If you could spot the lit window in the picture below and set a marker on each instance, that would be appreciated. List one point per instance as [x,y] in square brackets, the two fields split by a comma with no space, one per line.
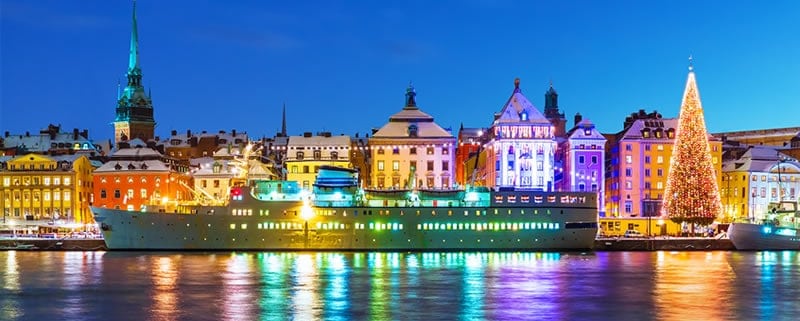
[380,165]
[628,159]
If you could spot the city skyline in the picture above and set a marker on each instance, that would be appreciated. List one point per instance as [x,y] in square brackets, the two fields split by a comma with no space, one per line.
[233,66]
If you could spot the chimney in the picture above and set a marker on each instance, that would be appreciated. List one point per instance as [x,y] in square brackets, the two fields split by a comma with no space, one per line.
[307,134]
[188,133]
[578,118]
[27,134]
[85,133]
[233,132]
[75,134]
[7,133]
[174,132]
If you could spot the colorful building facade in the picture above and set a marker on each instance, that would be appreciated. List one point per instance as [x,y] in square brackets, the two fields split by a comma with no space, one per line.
[760,177]
[39,187]
[470,143]
[638,164]
[412,151]
[583,159]
[138,178]
[305,154]
[520,146]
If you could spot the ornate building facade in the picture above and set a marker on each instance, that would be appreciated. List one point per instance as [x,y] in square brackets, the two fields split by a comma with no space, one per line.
[412,151]
[134,112]
[39,187]
[520,146]
[583,159]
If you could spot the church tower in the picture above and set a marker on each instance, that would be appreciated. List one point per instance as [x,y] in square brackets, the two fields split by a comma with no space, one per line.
[551,112]
[134,113]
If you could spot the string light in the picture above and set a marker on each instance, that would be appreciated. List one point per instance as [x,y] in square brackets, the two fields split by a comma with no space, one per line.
[692,194]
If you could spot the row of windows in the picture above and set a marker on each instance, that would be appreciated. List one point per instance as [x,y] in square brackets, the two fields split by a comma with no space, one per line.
[36,180]
[428,182]
[494,226]
[582,159]
[130,180]
[413,151]
[36,196]
[41,167]
[333,212]
[566,199]
[317,155]
[143,194]
[412,165]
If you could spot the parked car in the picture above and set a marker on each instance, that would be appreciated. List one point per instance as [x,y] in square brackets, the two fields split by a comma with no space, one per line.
[633,233]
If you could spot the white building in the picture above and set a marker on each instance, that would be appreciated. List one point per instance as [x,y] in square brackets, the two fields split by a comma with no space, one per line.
[412,151]
[305,154]
[521,146]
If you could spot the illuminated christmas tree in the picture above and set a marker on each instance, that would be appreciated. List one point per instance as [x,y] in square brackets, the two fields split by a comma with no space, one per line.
[692,194]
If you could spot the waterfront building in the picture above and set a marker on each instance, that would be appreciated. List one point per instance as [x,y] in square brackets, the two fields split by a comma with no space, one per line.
[134,111]
[762,175]
[470,143]
[360,158]
[50,141]
[134,178]
[305,154]
[778,137]
[412,151]
[521,145]
[203,144]
[41,187]
[583,158]
[214,176]
[638,161]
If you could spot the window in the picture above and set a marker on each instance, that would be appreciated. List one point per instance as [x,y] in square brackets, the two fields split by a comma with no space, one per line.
[143,193]
[130,193]
[628,159]
[430,167]
[581,159]
[628,147]
[540,165]
[628,185]
[647,147]
[581,187]
[647,172]
[445,165]
[396,151]
[429,151]
[412,166]
[660,159]
[660,172]
[57,196]
[306,169]
[117,194]
[395,165]
[380,165]
[380,151]
[204,183]
[660,147]
[659,185]
[628,172]
[317,154]
[763,192]
[300,155]
[445,151]
[67,195]
[412,151]
[102,194]
[56,180]
[445,181]
[294,169]
[594,187]
[647,159]
[216,183]
[334,155]
[628,207]
[594,159]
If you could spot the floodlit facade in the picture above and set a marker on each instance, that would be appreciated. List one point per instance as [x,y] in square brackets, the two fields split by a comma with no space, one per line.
[520,146]
[412,151]
[305,154]
[39,187]
[583,160]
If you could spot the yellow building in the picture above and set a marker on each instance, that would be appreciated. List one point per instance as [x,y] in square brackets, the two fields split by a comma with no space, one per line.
[38,187]
[647,226]
[759,177]
[305,154]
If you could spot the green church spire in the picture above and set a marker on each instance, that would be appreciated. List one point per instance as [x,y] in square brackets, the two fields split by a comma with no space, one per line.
[134,104]
[133,59]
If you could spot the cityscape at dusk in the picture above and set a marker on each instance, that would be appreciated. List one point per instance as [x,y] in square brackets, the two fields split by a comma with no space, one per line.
[215,65]
[419,160]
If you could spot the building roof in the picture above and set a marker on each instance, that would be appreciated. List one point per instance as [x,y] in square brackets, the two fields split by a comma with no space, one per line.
[133,166]
[403,123]
[639,125]
[137,152]
[316,140]
[50,138]
[758,159]
[585,129]
[519,110]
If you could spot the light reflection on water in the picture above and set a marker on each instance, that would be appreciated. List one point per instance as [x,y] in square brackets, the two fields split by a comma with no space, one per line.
[392,286]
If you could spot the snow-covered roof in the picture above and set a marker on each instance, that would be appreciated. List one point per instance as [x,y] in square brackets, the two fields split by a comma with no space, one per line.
[759,159]
[663,124]
[585,130]
[43,142]
[519,110]
[136,152]
[342,140]
[133,166]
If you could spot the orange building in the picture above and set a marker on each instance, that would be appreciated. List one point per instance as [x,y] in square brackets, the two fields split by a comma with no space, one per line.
[135,178]
[469,144]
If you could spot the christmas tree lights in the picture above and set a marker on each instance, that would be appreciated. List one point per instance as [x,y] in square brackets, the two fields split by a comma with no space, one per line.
[692,194]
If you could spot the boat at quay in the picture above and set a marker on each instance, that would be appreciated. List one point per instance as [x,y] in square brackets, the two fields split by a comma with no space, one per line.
[780,230]
[338,215]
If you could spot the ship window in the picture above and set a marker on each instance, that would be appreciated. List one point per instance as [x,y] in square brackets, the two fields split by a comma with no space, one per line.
[233,226]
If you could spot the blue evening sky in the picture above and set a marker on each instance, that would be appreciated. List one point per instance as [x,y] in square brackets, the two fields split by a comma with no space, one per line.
[343,66]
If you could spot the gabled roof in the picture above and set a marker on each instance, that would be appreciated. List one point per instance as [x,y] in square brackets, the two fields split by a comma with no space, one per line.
[519,110]
[758,159]
[663,124]
[133,166]
[585,130]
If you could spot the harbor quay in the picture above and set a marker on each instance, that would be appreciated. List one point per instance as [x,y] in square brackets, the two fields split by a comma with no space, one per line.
[600,244]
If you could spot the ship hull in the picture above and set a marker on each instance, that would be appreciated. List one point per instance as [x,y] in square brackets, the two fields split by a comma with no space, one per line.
[758,237]
[407,229]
